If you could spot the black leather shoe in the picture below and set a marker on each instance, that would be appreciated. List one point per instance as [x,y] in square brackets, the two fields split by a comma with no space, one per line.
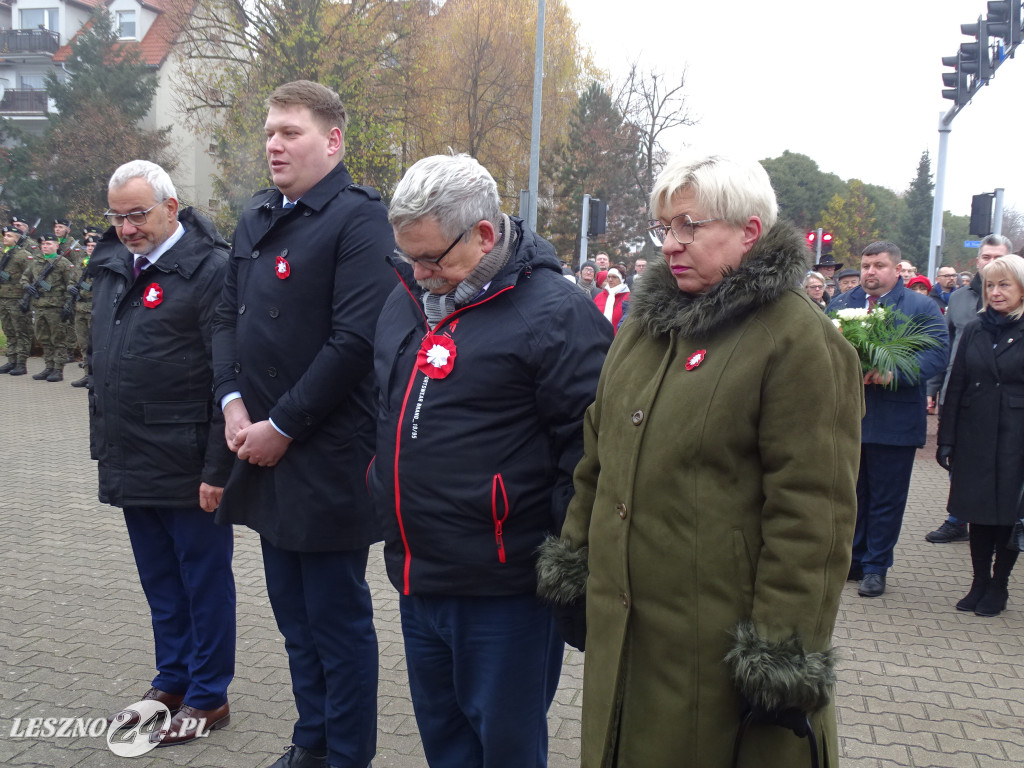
[82,382]
[19,370]
[7,367]
[57,375]
[873,585]
[948,532]
[993,602]
[300,757]
[43,375]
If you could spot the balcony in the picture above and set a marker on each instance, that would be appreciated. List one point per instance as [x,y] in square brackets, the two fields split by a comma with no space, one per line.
[22,41]
[23,102]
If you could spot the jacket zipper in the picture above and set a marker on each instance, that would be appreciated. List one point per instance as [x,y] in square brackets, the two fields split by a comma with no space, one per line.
[498,482]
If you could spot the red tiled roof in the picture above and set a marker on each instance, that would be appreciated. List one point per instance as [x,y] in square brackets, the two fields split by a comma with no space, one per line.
[153,48]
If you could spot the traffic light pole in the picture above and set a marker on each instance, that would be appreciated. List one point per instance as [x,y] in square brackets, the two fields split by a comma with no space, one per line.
[935,242]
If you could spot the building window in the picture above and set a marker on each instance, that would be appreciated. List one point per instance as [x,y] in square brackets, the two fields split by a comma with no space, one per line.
[126,25]
[33,18]
[32,82]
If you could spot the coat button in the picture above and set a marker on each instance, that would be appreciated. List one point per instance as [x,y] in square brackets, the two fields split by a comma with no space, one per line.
[274,312]
[255,254]
[621,509]
[625,599]
[284,253]
[638,417]
[306,212]
[309,420]
[238,367]
[272,372]
[241,310]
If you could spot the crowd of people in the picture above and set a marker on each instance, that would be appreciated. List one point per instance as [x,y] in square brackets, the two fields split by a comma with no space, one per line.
[45,297]
[347,372]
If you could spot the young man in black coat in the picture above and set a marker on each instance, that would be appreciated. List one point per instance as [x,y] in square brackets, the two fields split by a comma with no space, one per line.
[292,359]
[158,437]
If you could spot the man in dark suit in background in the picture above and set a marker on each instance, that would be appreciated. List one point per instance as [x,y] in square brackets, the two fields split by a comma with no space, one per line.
[895,421]
[292,359]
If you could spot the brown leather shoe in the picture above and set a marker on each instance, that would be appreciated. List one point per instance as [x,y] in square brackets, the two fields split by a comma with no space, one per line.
[170,700]
[190,724]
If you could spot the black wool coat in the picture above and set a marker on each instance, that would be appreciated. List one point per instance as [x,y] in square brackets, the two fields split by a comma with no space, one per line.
[294,335]
[983,419]
[154,428]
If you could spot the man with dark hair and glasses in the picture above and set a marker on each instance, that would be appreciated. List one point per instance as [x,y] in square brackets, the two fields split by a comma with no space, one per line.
[293,357]
[157,275]
[486,359]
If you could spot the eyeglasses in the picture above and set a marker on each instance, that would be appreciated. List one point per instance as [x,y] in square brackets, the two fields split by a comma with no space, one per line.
[815,287]
[682,228]
[428,263]
[135,218]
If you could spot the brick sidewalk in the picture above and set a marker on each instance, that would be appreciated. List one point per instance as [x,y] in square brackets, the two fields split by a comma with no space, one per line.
[920,684]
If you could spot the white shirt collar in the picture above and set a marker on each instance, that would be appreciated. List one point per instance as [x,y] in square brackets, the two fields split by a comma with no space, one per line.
[165,246]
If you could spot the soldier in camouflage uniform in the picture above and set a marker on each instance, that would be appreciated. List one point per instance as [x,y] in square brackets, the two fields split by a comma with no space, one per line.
[83,309]
[67,246]
[25,240]
[48,296]
[17,325]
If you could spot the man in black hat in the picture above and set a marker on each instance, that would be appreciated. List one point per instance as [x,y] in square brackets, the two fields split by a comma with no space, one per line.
[25,234]
[846,280]
[827,266]
[67,246]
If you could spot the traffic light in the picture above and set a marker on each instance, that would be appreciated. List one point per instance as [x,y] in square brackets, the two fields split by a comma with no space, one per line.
[812,240]
[974,57]
[826,243]
[598,218]
[1004,21]
[981,214]
[956,84]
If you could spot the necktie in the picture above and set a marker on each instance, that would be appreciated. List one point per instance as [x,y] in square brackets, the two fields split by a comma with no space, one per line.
[289,204]
[141,262]
[872,301]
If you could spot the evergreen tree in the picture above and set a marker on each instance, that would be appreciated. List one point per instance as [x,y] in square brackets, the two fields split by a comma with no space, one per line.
[915,232]
[64,172]
[801,188]
[599,158]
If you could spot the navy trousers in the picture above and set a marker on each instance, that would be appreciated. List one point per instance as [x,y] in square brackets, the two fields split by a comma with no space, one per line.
[184,562]
[323,608]
[482,672]
[882,487]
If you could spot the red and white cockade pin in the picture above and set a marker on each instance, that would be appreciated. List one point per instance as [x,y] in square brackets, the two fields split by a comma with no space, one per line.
[436,356]
[282,268]
[696,359]
[153,295]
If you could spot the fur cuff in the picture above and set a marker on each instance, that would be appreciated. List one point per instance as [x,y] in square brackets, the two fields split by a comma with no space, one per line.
[776,675]
[561,571]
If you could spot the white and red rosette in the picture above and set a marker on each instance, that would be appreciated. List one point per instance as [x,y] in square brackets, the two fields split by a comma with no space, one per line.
[696,359]
[152,295]
[436,356]
[282,268]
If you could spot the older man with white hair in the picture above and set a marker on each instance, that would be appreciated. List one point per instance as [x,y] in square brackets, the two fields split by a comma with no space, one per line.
[159,439]
[486,360]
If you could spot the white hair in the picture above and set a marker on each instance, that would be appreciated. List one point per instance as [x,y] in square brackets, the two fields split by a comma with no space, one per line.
[454,190]
[725,187]
[159,181]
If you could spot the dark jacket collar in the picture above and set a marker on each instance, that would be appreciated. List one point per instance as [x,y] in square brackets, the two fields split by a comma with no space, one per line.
[316,198]
[776,263]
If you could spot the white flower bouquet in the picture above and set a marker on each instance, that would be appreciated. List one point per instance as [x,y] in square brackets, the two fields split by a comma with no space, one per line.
[887,341]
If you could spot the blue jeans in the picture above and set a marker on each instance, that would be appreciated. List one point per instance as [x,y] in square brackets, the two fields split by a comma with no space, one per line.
[184,562]
[323,608]
[483,672]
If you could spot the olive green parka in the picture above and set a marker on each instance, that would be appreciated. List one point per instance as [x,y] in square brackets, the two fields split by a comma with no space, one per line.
[715,508]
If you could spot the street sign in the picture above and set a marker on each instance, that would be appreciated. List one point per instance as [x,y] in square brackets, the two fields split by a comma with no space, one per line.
[972,243]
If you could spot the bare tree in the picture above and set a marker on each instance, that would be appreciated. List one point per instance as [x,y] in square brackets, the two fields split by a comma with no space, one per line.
[653,103]
[1013,227]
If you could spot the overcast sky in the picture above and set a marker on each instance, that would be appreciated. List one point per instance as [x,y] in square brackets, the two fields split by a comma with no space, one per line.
[854,85]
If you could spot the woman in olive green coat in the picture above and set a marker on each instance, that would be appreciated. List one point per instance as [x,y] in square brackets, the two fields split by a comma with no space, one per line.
[715,503]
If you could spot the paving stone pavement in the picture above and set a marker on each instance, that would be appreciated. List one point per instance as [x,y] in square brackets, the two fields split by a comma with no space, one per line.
[920,684]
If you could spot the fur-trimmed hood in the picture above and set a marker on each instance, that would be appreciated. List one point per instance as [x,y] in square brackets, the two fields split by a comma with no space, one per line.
[776,263]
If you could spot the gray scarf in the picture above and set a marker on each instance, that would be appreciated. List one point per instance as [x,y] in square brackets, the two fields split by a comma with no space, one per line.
[438,306]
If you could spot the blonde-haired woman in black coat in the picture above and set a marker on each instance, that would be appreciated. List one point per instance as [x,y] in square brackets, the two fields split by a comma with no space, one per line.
[981,434]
